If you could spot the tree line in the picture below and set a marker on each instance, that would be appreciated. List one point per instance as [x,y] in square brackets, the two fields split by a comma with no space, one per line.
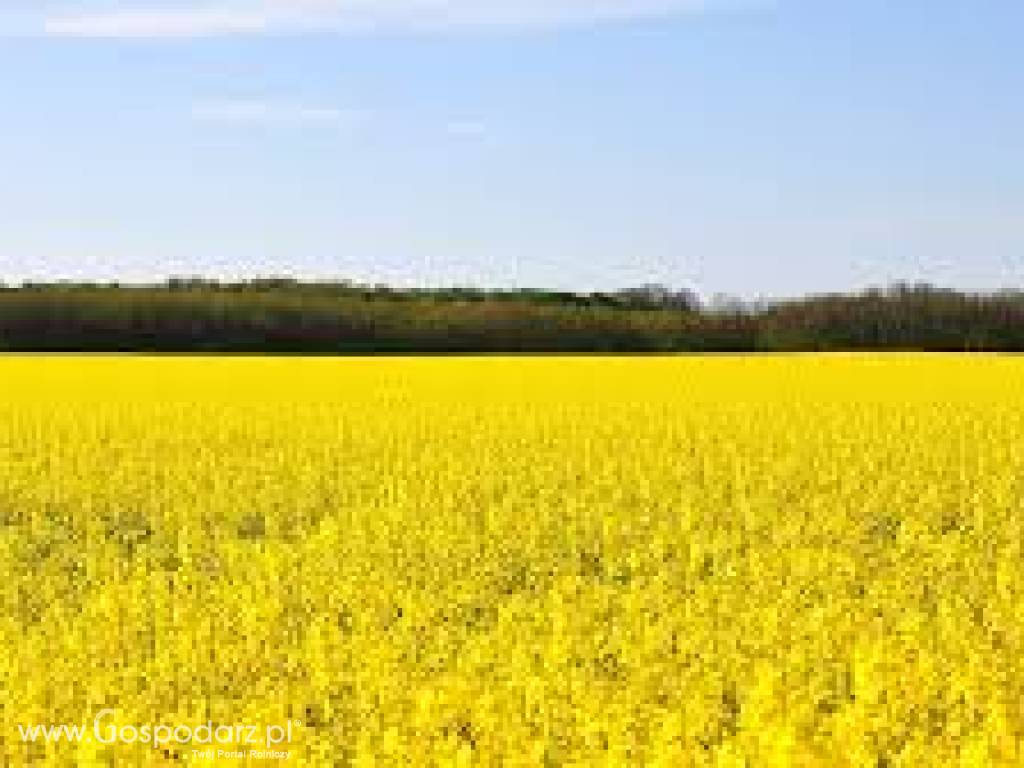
[282,316]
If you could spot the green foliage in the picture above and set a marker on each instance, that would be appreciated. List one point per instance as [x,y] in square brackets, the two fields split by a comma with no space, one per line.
[281,315]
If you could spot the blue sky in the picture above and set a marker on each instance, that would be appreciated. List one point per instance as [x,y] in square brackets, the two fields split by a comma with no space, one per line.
[761,148]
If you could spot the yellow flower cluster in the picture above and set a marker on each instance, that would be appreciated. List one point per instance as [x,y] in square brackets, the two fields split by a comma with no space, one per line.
[779,561]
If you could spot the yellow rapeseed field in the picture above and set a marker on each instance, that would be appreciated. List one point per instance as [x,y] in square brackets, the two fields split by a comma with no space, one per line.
[783,561]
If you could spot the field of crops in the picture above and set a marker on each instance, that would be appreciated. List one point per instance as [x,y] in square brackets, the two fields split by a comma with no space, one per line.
[783,561]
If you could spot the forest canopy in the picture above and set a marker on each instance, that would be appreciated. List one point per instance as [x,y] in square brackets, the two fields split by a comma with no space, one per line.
[284,316]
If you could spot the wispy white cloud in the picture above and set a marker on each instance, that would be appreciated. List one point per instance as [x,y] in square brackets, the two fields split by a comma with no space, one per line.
[266,112]
[155,22]
[467,129]
[247,17]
